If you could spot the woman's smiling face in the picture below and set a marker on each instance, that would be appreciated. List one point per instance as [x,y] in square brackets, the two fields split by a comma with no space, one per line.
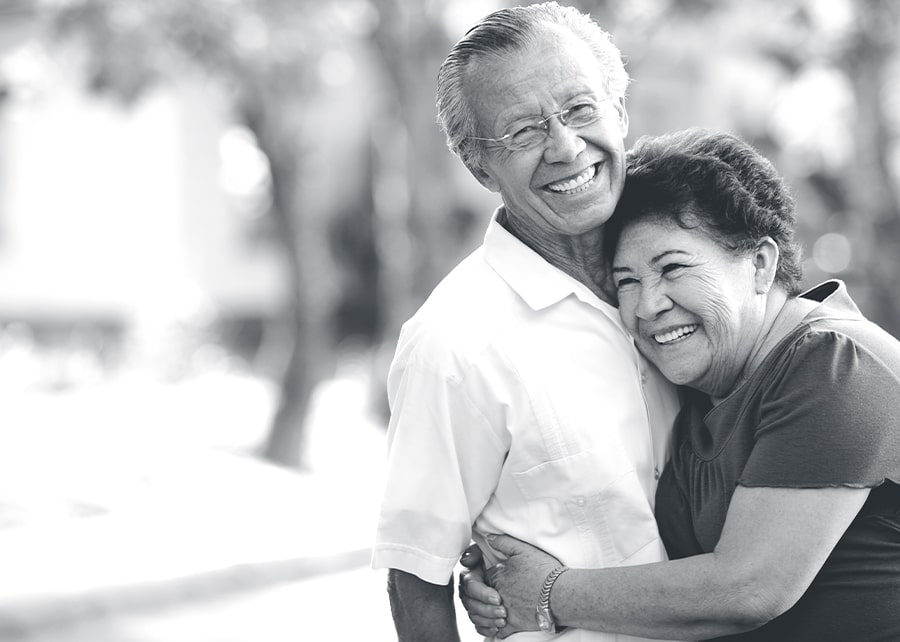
[692,306]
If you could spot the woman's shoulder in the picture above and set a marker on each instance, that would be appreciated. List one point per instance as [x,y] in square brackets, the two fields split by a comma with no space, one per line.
[861,346]
[837,324]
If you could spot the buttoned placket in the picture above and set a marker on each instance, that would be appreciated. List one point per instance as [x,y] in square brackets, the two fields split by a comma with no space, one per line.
[642,369]
[645,379]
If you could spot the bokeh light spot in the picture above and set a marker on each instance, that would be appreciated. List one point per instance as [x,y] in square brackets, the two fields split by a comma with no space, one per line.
[832,253]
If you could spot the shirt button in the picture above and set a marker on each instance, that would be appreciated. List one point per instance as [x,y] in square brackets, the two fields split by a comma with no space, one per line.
[643,377]
[656,473]
[580,501]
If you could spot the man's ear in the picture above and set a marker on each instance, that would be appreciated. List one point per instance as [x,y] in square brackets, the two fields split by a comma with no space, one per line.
[483,177]
[765,263]
[619,104]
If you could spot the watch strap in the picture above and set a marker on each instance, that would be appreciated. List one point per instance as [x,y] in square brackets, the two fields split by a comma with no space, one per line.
[543,607]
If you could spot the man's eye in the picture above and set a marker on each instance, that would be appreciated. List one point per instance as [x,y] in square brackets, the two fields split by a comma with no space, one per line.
[625,282]
[581,110]
[526,131]
[582,114]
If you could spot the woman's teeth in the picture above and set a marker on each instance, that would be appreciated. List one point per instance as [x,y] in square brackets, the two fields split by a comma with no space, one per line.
[677,333]
[572,185]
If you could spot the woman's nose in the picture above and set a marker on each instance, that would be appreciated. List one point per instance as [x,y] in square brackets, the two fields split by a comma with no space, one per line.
[652,303]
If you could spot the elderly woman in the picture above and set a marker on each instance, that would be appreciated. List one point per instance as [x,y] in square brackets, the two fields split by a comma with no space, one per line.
[780,507]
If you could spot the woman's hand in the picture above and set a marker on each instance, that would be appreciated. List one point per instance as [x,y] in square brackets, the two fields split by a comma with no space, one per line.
[518,579]
[482,603]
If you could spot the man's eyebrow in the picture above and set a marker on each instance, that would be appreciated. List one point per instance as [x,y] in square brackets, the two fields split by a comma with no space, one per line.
[620,269]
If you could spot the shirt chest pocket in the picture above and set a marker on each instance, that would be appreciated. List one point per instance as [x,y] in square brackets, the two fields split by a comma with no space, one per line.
[597,494]
[576,476]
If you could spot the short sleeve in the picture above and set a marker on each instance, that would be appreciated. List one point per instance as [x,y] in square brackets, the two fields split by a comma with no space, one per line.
[830,416]
[444,461]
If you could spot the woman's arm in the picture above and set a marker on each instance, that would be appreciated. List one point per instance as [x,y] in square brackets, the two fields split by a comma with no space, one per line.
[774,542]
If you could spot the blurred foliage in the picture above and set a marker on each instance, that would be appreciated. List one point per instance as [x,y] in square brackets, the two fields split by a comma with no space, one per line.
[266,56]
[370,210]
[814,85]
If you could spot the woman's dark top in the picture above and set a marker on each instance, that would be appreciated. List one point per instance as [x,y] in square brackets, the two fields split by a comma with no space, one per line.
[823,409]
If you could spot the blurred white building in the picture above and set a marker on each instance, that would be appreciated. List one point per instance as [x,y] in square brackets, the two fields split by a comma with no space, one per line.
[121,223]
[116,212]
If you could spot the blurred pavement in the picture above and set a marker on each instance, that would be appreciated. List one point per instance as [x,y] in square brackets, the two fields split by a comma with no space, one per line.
[150,534]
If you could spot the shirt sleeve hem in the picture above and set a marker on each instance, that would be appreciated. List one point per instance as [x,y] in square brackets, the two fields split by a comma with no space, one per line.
[874,483]
[437,570]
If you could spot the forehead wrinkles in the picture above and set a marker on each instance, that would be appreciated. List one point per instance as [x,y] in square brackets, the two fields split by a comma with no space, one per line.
[507,81]
[535,77]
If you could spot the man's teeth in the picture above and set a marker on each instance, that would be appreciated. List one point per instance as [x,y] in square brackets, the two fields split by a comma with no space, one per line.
[677,333]
[574,183]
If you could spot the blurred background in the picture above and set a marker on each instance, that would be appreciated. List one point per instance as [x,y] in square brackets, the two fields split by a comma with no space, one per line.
[214,217]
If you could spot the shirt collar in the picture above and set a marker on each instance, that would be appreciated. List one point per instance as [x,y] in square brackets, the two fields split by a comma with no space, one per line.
[834,301]
[539,283]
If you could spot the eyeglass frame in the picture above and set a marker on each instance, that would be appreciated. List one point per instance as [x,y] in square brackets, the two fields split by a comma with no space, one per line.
[543,124]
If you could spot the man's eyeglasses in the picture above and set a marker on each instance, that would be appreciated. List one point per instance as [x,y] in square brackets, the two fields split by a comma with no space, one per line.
[532,132]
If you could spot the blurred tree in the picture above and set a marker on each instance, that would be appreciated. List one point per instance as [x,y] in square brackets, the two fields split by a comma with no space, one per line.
[424,222]
[267,54]
[868,53]
[400,223]
[813,84]
[838,65]
[406,217]
[425,219]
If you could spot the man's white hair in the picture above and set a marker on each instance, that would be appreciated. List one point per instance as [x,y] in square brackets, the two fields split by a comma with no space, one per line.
[507,30]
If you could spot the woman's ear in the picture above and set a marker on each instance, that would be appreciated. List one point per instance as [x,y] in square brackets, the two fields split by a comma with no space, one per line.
[765,264]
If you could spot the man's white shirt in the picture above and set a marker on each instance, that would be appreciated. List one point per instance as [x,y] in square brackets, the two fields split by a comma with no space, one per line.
[519,405]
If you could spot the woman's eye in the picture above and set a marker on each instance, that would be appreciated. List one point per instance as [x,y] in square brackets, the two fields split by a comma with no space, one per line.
[673,268]
[624,282]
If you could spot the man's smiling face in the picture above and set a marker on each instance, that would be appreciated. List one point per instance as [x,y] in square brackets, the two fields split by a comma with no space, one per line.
[569,184]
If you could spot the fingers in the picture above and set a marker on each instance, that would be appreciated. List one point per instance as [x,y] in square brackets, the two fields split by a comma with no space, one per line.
[487,623]
[472,558]
[504,544]
[472,586]
[470,576]
[488,633]
[494,633]
[484,616]
[482,604]
[491,573]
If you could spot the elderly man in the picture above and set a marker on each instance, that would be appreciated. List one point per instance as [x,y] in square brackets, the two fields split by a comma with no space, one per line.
[519,403]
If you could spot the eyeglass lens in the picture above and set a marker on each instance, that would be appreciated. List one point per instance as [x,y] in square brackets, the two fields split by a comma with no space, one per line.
[535,132]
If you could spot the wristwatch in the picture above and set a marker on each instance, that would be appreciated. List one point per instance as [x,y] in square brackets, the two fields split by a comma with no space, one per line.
[542,612]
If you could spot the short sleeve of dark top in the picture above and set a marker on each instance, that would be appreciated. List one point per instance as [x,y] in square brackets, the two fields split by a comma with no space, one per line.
[822,410]
[829,415]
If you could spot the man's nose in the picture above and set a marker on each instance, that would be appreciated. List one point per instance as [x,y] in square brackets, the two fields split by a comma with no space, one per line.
[653,302]
[563,143]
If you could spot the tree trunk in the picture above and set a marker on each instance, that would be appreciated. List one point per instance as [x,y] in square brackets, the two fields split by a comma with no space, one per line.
[285,439]
[869,182]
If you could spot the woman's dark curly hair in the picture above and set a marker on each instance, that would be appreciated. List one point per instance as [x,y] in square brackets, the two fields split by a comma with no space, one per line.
[713,181]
